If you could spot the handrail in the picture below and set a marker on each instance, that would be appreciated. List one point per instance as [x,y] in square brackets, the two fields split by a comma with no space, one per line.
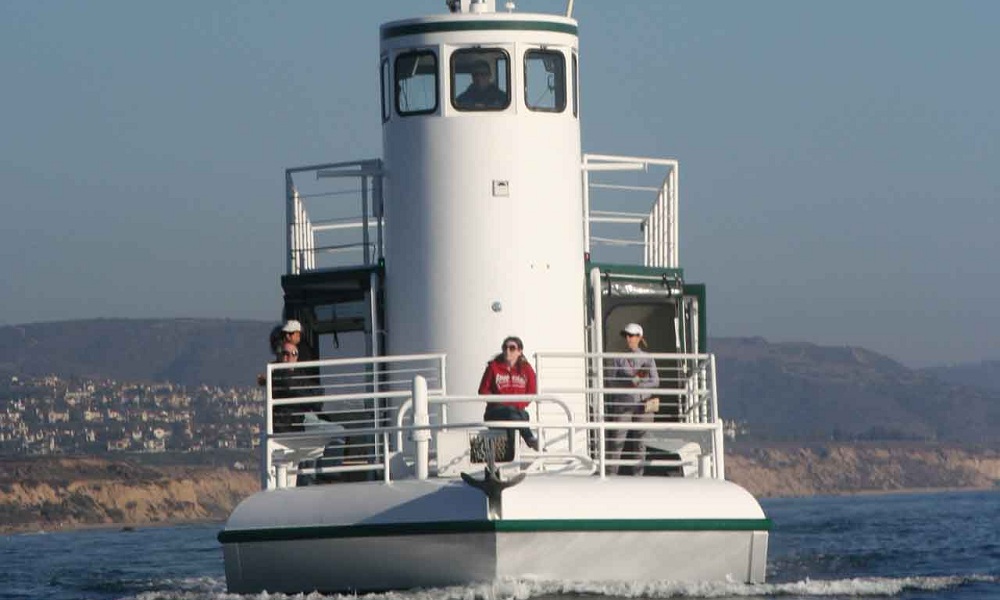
[658,223]
[405,408]
[653,355]
[373,442]
[317,226]
[382,432]
[360,386]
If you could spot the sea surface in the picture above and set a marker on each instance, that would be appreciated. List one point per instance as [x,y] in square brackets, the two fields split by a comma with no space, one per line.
[901,546]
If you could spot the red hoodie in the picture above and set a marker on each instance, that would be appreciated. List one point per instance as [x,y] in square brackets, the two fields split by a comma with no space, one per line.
[499,378]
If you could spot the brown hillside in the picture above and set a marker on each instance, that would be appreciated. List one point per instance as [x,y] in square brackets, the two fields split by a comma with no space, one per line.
[50,493]
[791,470]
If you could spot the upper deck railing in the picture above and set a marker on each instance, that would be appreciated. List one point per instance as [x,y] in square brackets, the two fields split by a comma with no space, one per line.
[388,418]
[334,212]
[632,191]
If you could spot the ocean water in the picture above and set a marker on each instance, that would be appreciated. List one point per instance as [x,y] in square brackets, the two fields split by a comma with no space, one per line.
[900,546]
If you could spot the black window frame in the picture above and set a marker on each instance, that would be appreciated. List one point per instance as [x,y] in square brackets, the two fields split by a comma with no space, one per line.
[454,92]
[576,87]
[560,106]
[396,82]
[385,80]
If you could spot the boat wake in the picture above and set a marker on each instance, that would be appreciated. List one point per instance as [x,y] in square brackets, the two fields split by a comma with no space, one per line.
[858,587]
[527,589]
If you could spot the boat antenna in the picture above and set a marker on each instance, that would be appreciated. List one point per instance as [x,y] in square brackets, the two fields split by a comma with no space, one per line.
[569,8]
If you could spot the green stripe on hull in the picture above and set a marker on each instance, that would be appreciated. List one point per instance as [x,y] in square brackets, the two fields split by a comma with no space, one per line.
[636,525]
[509,526]
[392,31]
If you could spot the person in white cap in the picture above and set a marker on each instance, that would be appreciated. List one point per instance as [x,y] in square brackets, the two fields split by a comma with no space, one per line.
[631,372]
[292,330]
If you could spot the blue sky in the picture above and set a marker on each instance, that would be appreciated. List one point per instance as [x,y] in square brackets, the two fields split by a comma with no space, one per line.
[838,160]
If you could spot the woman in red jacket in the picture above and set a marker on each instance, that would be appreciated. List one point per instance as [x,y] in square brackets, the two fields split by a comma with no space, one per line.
[510,373]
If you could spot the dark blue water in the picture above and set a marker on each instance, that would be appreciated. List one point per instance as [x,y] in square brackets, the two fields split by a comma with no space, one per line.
[905,546]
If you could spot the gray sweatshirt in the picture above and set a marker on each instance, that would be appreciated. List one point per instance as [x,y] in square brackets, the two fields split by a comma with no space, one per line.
[638,372]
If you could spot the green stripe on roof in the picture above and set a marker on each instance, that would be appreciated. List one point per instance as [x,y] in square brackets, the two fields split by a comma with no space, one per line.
[621,269]
[508,526]
[392,31]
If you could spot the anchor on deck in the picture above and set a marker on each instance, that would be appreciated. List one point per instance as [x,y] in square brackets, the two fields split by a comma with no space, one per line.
[492,484]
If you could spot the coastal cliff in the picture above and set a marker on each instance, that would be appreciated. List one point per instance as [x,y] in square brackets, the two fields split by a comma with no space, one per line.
[60,493]
[789,470]
[44,494]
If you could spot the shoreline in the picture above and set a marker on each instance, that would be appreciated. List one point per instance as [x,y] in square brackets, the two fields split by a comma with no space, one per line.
[842,469]
[6,531]
[64,494]
[900,492]
[132,527]
[61,494]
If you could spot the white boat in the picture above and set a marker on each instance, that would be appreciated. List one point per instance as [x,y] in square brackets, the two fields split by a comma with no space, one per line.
[479,222]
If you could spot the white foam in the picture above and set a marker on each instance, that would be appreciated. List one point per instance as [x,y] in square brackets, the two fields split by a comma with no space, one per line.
[525,589]
[868,586]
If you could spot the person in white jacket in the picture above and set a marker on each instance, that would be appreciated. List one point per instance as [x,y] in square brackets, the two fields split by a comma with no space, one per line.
[638,372]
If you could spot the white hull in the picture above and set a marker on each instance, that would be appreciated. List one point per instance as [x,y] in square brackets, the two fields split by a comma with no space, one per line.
[359,564]
[364,537]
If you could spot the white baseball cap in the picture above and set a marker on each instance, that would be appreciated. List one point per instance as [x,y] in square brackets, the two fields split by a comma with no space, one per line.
[632,329]
[292,326]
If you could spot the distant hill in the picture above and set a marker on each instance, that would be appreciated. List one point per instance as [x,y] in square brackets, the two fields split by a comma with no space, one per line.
[803,391]
[186,351]
[778,391]
[985,374]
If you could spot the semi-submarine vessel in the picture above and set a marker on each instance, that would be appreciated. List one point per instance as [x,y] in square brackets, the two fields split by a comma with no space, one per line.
[484,219]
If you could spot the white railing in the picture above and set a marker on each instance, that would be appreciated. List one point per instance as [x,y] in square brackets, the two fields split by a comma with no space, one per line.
[387,417]
[338,407]
[657,221]
[333,215]
[686,396]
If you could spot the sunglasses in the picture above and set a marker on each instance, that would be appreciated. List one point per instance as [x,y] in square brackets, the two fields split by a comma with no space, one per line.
[632,335]
[288,353]
[511,347]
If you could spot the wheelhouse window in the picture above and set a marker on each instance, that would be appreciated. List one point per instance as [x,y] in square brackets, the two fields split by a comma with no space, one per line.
[416,83]
[545,80]
[386,90]
[480,79]
[576,89]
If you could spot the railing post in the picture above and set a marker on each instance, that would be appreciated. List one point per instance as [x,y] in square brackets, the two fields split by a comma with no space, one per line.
[364,219]
[675,256]
[386,468]
[377,205]
[704,466]
[717,434]
[290,265]
[585,176]
[281,475]
[268,476]
[596,291]
[421,419]
[443,379]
